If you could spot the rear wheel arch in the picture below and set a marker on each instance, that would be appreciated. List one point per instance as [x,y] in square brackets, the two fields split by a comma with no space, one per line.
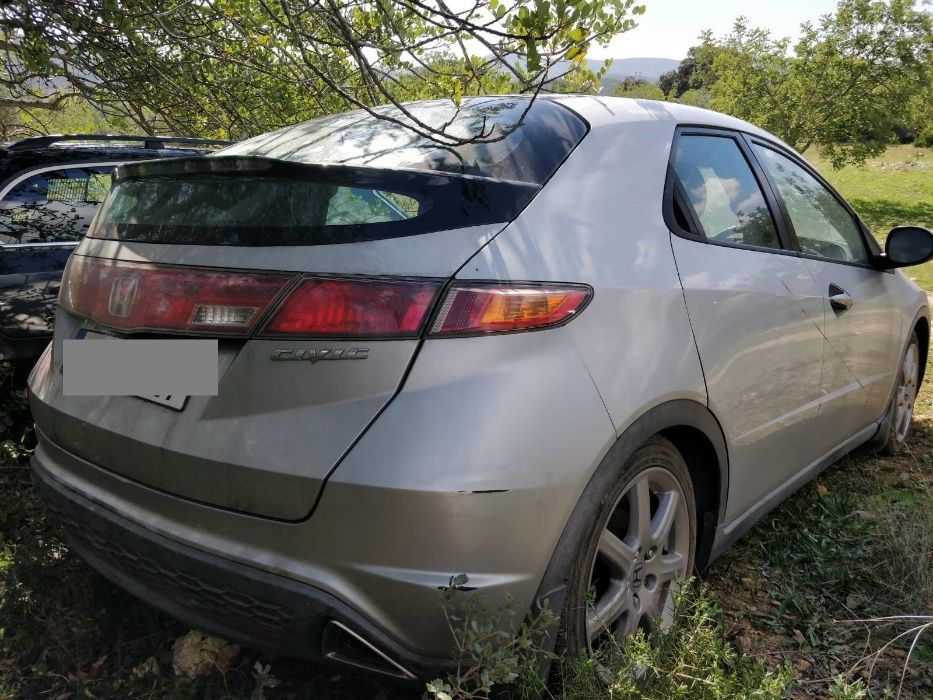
[704,463]
[696,433]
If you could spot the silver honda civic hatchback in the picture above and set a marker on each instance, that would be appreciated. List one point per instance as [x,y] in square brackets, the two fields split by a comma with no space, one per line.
[572,353]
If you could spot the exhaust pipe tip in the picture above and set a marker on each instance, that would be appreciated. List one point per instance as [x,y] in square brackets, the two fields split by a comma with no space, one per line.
[344,646]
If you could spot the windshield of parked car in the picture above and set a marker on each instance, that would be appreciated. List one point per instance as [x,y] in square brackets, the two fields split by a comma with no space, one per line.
[53,205]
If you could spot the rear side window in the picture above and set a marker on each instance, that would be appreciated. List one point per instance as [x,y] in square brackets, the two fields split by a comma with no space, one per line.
[822,225]
[721,189]
[55,205]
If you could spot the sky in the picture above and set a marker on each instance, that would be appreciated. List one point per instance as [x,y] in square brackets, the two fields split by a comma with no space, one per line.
[669,27]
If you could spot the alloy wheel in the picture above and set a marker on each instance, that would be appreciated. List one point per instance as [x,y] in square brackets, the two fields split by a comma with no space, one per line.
[642,554]
[906,392]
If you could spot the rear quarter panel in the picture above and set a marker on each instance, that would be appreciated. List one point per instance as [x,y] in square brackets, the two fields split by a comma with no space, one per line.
[599,221]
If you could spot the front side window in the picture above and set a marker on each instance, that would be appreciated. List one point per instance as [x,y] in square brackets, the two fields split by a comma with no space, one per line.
[53,206]
[722,190]
[358,205]
[823,226]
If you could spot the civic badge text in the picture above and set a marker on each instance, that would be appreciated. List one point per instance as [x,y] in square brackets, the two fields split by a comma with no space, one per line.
[315,355]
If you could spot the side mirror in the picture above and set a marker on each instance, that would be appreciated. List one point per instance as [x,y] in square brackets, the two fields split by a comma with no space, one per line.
[907,245]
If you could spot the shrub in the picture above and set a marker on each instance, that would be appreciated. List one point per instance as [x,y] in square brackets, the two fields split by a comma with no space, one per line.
[692,660]
[491,650]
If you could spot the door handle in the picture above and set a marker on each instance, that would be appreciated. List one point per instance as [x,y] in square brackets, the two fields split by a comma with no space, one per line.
[839,299]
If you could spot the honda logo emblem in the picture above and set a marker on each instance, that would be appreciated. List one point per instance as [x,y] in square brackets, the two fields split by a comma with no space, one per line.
[122,296]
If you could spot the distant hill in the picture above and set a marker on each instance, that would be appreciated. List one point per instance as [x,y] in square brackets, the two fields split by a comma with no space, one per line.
[649,69]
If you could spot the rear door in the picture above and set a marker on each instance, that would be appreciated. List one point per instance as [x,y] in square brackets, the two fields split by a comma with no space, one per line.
[315,256]
[862,324]
[756,311]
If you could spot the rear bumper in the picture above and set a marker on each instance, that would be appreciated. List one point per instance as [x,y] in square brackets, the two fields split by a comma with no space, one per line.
[471,492]
[253,607]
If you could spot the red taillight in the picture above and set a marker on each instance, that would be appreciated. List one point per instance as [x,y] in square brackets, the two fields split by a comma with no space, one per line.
[143,297]
[502,308]
[355,307]
[135,296]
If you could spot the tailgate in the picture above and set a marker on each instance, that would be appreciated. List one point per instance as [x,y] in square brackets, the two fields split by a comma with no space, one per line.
[317,282]
[263,445]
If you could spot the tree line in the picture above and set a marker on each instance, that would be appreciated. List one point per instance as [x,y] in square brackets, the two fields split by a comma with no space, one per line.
[851,83]
[235,68]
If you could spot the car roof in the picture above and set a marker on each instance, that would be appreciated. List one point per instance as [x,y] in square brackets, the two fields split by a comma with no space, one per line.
[600,110]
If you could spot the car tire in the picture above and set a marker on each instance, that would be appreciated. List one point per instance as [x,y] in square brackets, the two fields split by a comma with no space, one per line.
[627,569]
[897,419]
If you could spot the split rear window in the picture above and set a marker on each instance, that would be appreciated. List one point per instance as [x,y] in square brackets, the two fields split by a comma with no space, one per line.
[511,140]
[348,178]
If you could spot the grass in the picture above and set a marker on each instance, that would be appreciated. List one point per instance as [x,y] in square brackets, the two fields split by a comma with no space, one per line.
[781,614]
[856,544]
[692,660]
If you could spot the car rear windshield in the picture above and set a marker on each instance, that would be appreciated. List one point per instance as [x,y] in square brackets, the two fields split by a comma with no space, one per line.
[348,178]
[514,142]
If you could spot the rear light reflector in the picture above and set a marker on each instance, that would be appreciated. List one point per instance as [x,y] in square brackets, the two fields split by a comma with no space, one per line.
[355,308]
[217,315]
[502,308]
[134,296]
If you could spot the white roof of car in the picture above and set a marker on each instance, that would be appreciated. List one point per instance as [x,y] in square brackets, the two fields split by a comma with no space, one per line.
[599,110]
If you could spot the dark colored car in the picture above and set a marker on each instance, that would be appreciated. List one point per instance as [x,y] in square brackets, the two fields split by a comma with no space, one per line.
[50,189]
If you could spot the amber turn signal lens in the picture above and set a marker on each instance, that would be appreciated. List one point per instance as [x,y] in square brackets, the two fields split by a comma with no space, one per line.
[497,308]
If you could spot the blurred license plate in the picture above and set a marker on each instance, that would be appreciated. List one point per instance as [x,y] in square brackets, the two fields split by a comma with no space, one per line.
[175,401]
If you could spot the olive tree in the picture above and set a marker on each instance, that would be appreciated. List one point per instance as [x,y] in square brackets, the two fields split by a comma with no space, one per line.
[234,68]
[848,80]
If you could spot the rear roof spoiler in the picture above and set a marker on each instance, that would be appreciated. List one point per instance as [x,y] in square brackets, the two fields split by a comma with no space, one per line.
[335,173]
